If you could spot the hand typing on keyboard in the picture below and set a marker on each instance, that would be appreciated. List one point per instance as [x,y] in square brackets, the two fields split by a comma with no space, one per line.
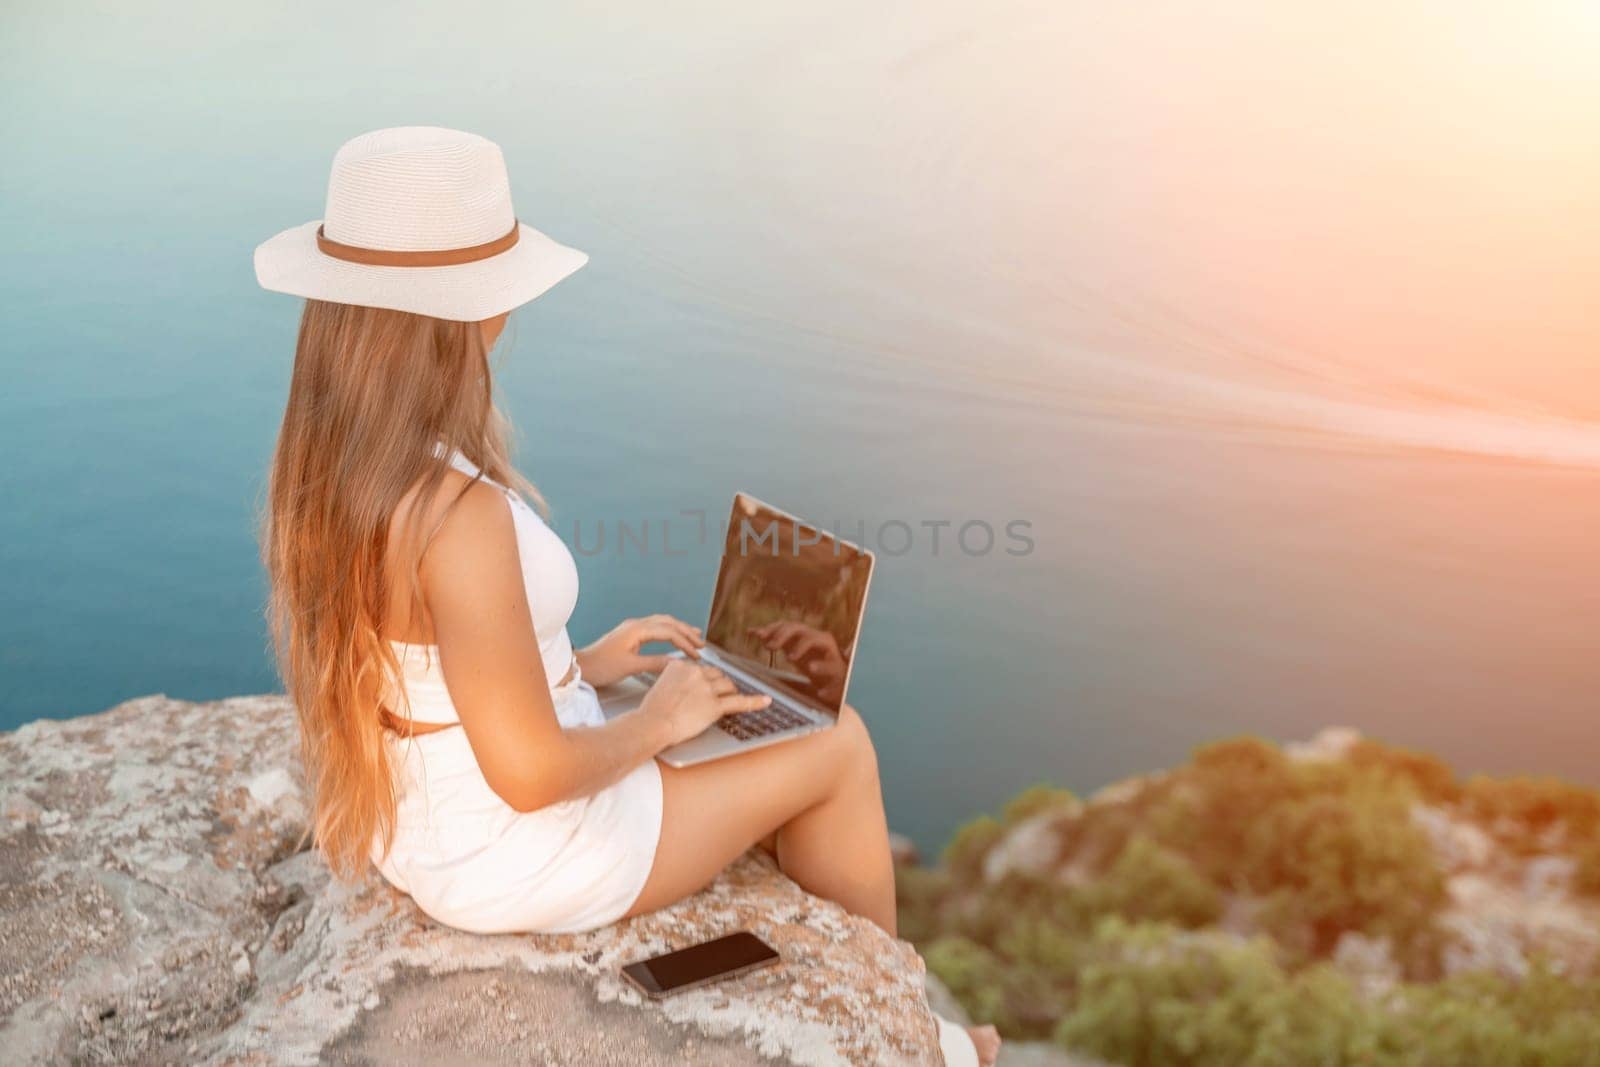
[688,697]
[770,720]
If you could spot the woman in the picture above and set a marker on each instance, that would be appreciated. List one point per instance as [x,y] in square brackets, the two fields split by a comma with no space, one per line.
[451,731]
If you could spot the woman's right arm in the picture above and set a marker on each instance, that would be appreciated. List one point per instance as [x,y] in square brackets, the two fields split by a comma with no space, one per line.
[472,583]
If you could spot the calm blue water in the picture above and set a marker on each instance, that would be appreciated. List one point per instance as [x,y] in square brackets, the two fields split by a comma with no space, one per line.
[922,265]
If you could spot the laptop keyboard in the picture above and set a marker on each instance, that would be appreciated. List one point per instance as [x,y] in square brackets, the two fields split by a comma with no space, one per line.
[772,719]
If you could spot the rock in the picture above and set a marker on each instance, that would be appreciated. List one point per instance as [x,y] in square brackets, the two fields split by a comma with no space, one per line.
[1125,790]
[1548,877]
[1504,911]
[1494,926]
[1368,961]
[941,1000]
[1033,846]
[1041,1054]
[1012,1053]
[1459,844]
[155,905]
[904,851]
[1332,743]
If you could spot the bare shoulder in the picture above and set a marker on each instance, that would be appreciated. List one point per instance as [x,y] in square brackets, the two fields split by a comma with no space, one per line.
[472,575]
[465,517]
[475,537]
[468,543]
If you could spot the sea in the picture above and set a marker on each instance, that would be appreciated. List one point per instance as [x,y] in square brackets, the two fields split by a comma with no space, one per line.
[1194,371]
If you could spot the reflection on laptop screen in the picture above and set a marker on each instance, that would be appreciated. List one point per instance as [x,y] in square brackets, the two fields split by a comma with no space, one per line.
[788,602]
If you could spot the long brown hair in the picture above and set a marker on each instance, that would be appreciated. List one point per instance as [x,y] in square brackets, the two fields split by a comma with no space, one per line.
[372,393]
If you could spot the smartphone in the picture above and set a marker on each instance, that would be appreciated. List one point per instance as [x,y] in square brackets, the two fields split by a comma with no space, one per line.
[696,965]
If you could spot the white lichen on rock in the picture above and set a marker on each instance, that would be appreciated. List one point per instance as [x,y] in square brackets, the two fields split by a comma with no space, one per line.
[155,904]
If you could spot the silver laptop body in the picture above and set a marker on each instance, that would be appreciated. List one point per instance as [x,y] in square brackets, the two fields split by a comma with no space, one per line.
[785,618]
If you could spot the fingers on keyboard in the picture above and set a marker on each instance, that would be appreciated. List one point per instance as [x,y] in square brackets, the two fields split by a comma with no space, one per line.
[769,720]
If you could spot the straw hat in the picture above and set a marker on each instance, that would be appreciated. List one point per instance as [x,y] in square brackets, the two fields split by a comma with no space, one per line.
[418,219]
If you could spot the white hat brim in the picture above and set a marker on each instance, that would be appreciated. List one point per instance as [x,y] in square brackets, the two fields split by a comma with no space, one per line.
[290,262]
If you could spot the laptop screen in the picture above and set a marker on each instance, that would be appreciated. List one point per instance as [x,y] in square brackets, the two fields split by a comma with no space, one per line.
[788,603]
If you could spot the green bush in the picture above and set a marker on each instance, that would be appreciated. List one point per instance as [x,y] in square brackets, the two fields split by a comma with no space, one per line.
[1545,1018]
[1429,777]
[1024,992]
[971,972]
[1115,955]
[1036,800]
[1151,882]
[921,894]
[1348,861]
[965,854]
[1330,847]
[1021,898]
[1209,809]
[1586,878]
[1154,995]
[1523,812]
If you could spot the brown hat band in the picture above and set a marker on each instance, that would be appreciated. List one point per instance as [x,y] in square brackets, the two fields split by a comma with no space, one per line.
[443,257]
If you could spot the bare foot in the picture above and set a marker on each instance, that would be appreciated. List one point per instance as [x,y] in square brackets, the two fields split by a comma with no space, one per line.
[986,1039]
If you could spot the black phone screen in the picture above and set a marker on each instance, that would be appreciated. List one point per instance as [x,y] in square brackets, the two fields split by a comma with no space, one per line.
[698,963]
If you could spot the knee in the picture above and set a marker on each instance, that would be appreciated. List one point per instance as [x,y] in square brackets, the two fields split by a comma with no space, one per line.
[855,744]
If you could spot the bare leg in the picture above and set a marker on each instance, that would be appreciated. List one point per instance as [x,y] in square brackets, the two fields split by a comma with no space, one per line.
[819,794]
[986,1039]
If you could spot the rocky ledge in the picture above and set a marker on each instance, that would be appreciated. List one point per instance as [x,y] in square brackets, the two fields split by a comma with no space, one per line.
[158,904]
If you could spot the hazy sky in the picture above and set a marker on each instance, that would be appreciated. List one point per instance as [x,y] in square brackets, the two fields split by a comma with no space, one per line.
[1401,199]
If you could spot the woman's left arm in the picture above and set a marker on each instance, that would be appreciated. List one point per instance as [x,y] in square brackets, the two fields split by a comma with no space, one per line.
[620,652]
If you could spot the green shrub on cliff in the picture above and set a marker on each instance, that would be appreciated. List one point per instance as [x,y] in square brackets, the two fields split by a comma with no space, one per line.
[967,849]
[1149,881]
[1329,846]
[975,975]
[1428,776]
[1021,999]
[1038,800]
[1211,808]
[923,894]
[1349,860]
[1098,927]
[1545,1018]
[1323,848]
[1530,815]
[1152,995]
[1155,996]
[1586,878]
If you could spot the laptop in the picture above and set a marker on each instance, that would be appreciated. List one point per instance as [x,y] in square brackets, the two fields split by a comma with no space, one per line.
[786,611]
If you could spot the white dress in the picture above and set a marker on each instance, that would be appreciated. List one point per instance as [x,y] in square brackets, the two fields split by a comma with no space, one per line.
[468,858]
